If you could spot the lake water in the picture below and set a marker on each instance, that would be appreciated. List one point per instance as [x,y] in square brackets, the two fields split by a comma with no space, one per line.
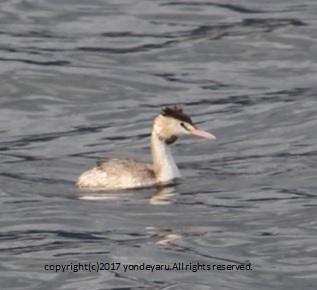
[83,80]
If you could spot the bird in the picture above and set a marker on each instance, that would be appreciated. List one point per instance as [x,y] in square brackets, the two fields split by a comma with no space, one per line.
[127,173]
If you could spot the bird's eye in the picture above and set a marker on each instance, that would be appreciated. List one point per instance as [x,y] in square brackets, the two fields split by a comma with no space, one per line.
[183,125]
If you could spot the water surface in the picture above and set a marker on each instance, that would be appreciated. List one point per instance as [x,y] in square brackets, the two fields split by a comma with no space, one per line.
[83,80]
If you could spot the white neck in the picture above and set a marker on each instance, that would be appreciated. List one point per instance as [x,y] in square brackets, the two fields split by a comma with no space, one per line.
[165,167]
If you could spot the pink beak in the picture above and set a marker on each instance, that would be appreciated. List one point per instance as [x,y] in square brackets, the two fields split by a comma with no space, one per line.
[202,134]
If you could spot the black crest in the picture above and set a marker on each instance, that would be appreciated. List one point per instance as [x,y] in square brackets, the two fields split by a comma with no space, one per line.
[177,113]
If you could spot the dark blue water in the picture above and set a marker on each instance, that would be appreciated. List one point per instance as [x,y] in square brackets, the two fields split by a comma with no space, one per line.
[82,80]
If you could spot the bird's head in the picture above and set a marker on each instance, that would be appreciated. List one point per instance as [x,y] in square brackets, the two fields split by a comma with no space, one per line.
[173,123]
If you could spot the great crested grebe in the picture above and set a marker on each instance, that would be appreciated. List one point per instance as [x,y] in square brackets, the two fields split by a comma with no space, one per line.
[124,173]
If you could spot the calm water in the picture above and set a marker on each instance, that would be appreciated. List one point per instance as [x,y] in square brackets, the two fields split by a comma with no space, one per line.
[81,80]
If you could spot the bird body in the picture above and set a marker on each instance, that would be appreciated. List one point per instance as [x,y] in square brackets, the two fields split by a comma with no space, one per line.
[124,173]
